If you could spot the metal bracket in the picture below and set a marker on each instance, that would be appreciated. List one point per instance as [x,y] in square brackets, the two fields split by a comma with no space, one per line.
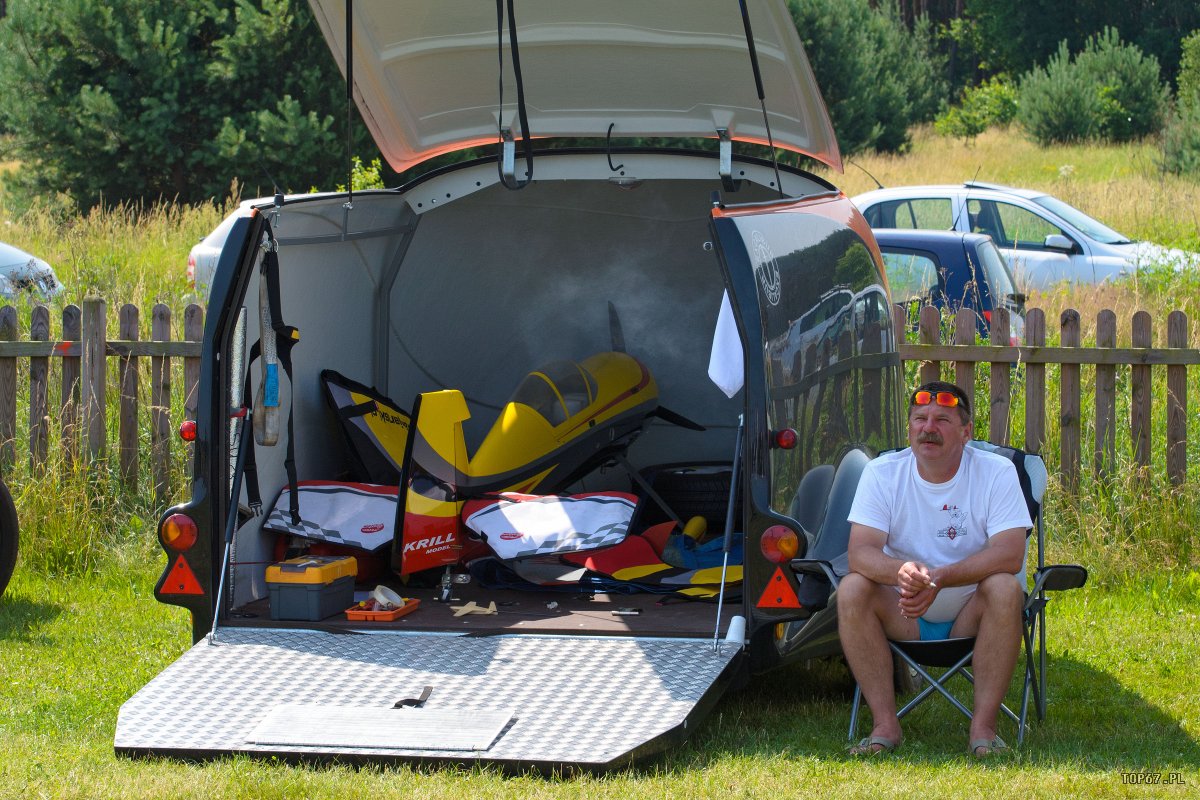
[508,158]
[725,165]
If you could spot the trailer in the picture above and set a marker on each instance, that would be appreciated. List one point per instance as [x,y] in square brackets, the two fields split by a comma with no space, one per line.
[498,299]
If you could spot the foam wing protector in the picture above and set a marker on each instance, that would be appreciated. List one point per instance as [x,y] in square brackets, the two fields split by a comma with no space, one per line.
[359,515]
[376,429]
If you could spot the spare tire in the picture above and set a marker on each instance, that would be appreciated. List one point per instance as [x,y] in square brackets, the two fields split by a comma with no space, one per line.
[9,536]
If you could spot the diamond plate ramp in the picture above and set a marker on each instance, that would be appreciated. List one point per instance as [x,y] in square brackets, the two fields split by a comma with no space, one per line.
[570,700]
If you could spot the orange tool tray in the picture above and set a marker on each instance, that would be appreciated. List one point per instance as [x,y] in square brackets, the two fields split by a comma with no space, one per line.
[363,615]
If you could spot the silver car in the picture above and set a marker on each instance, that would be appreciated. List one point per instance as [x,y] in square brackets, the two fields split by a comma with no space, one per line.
[1045,240]
[19,271]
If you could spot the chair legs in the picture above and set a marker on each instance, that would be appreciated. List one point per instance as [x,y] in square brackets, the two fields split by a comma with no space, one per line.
[938,684]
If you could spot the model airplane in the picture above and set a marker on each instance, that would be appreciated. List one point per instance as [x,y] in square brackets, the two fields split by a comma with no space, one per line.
[563,421]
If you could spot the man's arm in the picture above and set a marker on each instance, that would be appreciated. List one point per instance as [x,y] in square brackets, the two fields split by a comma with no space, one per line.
[1005,551]
[867,558]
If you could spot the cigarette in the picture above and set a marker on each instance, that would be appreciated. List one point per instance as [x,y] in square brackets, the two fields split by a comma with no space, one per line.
[932,585]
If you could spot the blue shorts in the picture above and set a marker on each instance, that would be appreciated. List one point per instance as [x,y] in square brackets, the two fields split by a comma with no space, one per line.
[931,631]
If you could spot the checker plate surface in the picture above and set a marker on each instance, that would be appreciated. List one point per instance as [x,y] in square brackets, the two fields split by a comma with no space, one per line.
[576,700]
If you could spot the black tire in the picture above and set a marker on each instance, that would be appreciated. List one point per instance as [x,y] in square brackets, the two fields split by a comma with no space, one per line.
[9,536]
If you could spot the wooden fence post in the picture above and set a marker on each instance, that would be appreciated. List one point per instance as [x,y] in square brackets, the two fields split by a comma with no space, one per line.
[1177,336]
[1104,453]
[127,447]
[1035,384]
[69,403]
[998,380]
[160,405]
[929,330]
[1069,402]
[1139,384]
[964,333]
[8,392]
[39,385]
[193,331]
[95,375]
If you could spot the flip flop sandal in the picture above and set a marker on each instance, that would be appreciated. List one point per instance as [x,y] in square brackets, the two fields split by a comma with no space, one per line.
[989,746]
[866,747]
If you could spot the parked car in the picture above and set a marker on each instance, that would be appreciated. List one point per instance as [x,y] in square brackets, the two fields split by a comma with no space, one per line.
[951,270]
[22,272]
[1045,240]
[609,283]
[202,259]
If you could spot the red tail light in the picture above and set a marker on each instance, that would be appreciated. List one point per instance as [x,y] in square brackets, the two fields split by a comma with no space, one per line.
[179,532]
[779,544]
[785,439]
[988,316]
[187,430]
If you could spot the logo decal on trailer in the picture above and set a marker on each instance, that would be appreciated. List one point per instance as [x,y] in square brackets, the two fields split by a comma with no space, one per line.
[766,267]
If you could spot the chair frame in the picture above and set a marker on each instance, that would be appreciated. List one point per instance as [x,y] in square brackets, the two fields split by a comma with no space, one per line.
[956,654]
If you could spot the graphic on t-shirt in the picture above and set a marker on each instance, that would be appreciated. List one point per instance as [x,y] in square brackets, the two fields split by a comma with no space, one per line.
[957,526]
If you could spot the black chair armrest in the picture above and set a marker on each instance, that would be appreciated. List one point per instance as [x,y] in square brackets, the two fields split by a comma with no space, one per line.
[814,566]
[1058,578]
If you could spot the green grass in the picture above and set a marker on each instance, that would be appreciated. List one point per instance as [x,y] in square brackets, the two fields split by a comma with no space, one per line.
[80,631]
[1122,689]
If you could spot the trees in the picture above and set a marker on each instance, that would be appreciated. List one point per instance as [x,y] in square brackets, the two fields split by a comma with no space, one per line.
[155,98]
[877,77]
[1109,91]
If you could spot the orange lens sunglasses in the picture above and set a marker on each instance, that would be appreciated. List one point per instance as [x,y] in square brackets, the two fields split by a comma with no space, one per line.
[924,398]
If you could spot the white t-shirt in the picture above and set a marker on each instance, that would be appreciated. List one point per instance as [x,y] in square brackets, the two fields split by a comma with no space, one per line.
[940,523]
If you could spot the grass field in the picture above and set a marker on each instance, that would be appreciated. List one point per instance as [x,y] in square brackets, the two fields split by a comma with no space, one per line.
[80,632]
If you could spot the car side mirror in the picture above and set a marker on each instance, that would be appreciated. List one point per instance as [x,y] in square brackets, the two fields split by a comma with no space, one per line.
[1056,241]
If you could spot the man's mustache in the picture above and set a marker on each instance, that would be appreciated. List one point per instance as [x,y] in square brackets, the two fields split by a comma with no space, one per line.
[931,438]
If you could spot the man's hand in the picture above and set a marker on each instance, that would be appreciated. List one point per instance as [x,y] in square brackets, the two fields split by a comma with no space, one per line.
[914,577]
[913,605]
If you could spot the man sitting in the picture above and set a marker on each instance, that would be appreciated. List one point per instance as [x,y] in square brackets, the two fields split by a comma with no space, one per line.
[937,550]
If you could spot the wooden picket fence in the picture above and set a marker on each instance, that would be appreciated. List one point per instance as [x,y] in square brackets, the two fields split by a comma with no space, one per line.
[81,414]
[1106,358]
[84,351]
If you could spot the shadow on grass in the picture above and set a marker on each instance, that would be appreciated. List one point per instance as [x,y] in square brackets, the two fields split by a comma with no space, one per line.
[1092,720]
[21,618]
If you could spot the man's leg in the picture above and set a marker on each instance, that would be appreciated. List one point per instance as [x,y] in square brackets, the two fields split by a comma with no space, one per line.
[993,616]
[869,614]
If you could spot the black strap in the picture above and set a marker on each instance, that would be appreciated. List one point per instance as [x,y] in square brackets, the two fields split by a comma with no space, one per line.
[360,410]
[522,114]
[286,337]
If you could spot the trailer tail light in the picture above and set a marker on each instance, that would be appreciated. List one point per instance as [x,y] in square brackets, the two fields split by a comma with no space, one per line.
[779,544]
[187,430]
[785,439]
[179,532]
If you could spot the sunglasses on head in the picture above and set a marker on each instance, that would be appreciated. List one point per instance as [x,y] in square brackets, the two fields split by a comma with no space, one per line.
[924,398]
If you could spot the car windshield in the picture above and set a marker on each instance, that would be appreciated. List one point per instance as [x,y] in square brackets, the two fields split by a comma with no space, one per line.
[1093,229]
[1000,283]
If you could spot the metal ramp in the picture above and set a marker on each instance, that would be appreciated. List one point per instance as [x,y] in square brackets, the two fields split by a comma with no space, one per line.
[518,700]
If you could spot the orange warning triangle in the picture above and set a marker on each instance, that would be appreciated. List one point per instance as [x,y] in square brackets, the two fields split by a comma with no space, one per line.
[181,580]
[779,593]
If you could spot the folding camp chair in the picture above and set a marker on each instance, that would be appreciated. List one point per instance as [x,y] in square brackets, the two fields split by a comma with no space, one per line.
[955,654]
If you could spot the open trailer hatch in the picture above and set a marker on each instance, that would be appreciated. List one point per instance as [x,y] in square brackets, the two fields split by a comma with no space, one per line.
[517,700]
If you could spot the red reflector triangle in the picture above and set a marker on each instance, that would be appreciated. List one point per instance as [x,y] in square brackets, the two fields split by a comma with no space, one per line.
[779,593]
[181,580]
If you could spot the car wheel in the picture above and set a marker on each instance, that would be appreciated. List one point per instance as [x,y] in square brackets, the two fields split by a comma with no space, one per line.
[9,535]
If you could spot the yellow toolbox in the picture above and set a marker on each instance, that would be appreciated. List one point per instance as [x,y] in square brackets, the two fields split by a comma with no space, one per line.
[311,587]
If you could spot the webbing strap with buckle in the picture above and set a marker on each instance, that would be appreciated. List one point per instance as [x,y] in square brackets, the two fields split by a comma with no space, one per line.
[286,337]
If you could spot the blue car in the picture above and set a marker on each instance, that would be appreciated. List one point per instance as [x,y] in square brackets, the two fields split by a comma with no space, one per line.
[952,270]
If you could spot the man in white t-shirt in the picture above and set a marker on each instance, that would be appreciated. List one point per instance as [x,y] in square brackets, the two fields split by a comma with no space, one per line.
[937,550]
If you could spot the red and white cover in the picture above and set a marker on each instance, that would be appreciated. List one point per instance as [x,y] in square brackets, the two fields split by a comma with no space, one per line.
[360,515]
[518,525]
